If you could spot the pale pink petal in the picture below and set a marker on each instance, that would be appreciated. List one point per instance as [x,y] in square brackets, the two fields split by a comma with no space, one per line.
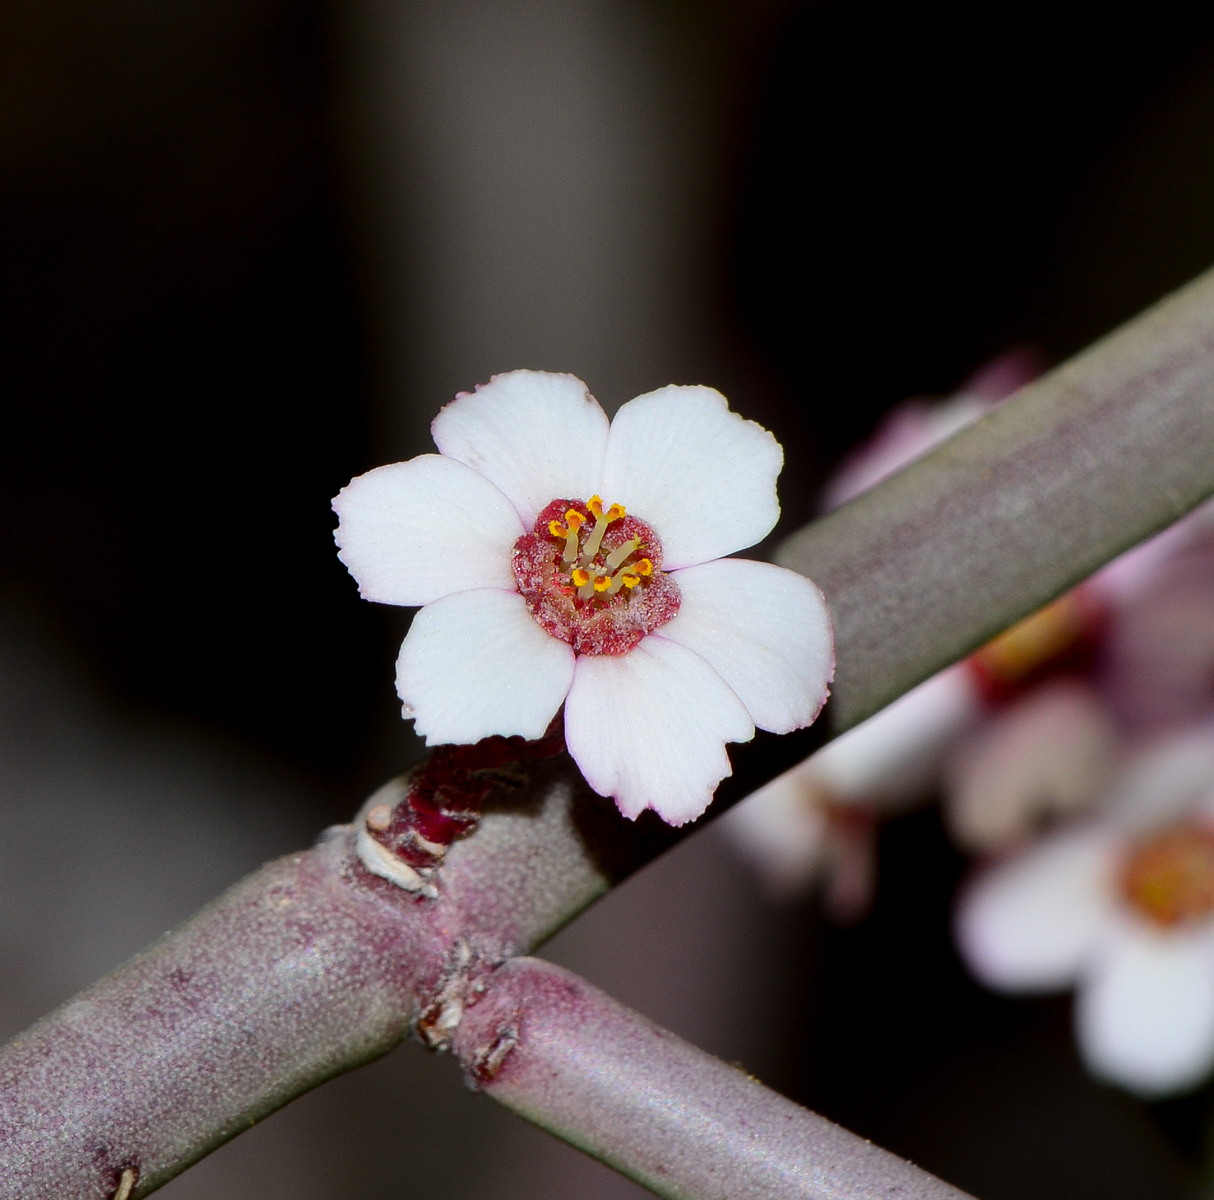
[1166,781]
[413,531]
[649,728]
[913,429]
[537,435]
[1145,1015]
[1133,573]
[894,757]
[765,630]
[1049,754]
[704,478]
[1031,923]
[917,426]
[475,664]
[781,831]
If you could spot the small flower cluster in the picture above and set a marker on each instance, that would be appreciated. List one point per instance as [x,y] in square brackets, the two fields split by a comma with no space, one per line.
[1075,756]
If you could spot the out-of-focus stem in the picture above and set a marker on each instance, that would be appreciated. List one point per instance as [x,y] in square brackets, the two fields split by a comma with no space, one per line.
[1082,464]
[312,965]
[552,1048]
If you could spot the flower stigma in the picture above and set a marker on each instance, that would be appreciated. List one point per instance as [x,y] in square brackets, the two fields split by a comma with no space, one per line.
[1169,877]
[591,576]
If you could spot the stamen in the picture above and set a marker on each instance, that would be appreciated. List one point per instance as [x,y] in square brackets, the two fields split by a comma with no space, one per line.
[603,519]
[557,529]
[586,590]
[617,556]
[644,567]
[574,519]
[580,578]
[602,583]
[569,554]
[625,578]
[594,541]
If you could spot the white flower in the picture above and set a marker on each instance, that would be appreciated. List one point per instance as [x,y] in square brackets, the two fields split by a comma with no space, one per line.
[536,592]
[1122,908]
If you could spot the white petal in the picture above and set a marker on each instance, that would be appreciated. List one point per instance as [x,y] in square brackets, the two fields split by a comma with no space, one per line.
[894,757]
[1166,781]
[476,664]
[1145,1017]
[765,630]
[781,830]
[537,435]
[1030,924]
[413,531]
[649,728]
[704,478]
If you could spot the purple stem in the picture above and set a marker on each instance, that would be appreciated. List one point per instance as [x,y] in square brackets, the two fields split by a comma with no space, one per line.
[547,1045]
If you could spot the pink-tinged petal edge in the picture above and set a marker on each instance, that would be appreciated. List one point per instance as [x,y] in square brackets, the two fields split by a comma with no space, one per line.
[1032,923]
[1144,1017]
[475,664]
[649,728]
[411,532]
[765,630]
[703,477]
[537,435]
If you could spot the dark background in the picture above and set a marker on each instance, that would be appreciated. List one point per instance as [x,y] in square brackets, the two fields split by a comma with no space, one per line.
[191,364]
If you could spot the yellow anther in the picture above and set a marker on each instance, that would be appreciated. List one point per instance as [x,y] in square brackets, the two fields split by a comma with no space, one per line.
[624,578]
[574,520]
[615,512]
[644,567]
[602,583]
[580,578]
[595,504]
[557,529]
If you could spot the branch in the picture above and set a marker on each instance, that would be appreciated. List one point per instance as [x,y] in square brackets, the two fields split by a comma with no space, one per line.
[1084,463]
[552,1048]
[314,965]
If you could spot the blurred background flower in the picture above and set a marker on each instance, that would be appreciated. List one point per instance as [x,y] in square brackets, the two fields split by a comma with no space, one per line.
[246,250]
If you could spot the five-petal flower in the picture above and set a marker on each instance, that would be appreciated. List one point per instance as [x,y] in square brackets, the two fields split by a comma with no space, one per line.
[560,558]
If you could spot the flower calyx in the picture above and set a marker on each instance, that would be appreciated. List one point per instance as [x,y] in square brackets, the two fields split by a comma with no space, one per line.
[404,839]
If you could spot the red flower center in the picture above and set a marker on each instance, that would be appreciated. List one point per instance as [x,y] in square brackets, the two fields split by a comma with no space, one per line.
[592,576]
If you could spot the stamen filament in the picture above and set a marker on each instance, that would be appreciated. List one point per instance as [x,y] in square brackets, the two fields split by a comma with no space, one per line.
[618,555]
[571,546]
[594,541]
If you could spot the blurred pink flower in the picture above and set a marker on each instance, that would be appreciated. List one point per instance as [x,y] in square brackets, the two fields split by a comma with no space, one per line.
[535,594]
[1030,729]
[1122,908]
